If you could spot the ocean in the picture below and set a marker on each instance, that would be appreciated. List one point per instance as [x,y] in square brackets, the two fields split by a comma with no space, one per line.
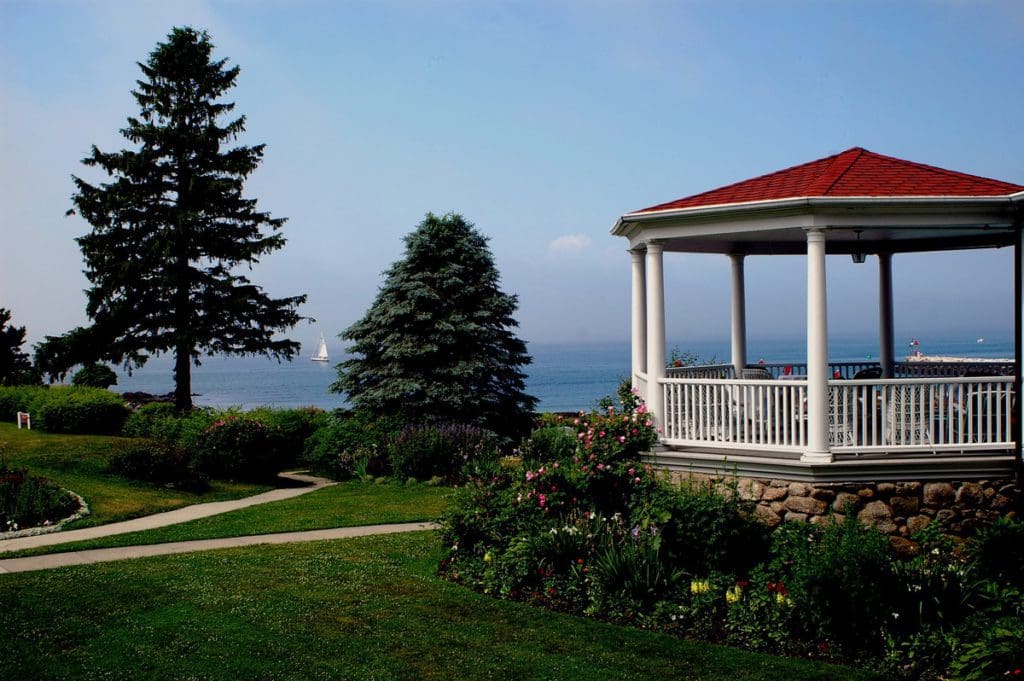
[561,377]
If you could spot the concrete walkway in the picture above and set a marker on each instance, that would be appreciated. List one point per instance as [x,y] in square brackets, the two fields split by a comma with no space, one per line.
[174,517]
[55,560]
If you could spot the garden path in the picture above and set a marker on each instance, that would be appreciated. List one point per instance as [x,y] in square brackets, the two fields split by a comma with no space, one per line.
[180,515]
[55,560]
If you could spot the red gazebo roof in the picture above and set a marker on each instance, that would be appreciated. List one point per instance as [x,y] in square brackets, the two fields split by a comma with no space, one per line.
[854,172]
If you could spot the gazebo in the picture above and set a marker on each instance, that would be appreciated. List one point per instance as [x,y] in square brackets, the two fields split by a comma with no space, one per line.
[823,420]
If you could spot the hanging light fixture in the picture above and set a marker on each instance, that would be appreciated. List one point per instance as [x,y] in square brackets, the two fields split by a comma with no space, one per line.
[859,258]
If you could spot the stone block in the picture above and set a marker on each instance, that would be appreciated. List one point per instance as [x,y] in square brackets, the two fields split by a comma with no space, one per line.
[799,489]
[778,483]
[938,494]
[806,505]
[795,517]
[775,493]
[904,506]
[917,523]
[866,493]
[903,547]
[908,487]
[877,515]
[946,516]
[823,494]
[750,490]
[766,516]
[970,494]
[844,500]
[885,489]
[1000,502]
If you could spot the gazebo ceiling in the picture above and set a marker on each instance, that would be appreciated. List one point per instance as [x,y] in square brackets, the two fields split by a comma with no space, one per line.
[865,202]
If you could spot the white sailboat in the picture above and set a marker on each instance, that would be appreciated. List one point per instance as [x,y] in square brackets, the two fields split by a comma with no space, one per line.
[321,351]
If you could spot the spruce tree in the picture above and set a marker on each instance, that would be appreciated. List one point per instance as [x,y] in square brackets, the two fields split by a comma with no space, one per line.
[437,345]
[15,366]
[171,230]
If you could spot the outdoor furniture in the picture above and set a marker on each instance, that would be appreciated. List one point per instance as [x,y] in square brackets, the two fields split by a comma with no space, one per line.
[905,415]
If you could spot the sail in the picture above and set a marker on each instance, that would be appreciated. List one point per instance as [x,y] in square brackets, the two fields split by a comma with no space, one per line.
[321,351]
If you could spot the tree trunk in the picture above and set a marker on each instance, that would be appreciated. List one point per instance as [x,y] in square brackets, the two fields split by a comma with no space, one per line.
[182,379]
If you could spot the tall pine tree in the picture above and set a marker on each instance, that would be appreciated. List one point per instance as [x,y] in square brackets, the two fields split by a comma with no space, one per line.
[438,344]
[172,229]
[15,366]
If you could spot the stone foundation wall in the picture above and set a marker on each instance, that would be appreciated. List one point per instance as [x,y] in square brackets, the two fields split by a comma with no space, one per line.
[898,509]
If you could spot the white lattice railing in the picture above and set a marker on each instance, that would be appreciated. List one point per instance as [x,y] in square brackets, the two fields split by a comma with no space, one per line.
[880,416]
[727,413]
[934,414]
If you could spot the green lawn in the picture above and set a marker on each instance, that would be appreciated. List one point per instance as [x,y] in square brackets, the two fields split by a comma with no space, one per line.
[362,608]
[344,505]
[78,463]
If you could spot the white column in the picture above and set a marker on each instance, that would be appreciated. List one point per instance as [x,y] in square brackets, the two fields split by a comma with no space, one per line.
[655,330]
[1018,332]
[639,316]
[739,316]
[885,332]
[817,351]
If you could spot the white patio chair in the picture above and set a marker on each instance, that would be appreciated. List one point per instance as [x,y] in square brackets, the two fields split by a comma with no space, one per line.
[906,415]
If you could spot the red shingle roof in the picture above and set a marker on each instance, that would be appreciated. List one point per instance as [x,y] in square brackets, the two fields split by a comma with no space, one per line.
[854,172]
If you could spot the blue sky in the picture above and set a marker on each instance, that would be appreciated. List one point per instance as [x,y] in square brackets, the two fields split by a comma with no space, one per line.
[541,122]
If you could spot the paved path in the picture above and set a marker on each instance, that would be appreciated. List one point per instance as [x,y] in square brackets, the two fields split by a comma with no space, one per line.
[55,560]
[174,517]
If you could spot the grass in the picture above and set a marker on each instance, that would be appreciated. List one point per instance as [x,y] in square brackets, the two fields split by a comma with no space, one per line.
[344,505]
[78,463]
[354,609]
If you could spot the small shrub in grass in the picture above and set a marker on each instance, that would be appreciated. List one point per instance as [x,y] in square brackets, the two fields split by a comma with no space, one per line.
[238,448]
[28,500]
[93,411]
[294,426]
[349,444]
[425,451]
[158,462]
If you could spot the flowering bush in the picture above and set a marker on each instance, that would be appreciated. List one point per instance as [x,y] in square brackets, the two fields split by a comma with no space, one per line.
[349,444]
[28,500]
[439,450]
[239,448]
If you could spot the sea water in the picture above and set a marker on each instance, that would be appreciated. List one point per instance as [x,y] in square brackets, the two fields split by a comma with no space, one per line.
[561,377]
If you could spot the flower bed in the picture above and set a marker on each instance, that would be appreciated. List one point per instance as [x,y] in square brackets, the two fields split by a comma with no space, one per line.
[28,501]
[576,523]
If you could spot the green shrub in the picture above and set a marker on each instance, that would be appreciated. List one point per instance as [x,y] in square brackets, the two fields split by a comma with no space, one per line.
[238,448]
[27,500]
[295,426]
[425,451]
[705,528]
[17,398]
[93,411]
[349,444]
[997,552]
[158,462]
[94,376]
[549,443]
[841,577]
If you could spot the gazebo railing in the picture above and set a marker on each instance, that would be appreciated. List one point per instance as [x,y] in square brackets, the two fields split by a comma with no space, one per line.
[921,414]
[702,371]
[891,416]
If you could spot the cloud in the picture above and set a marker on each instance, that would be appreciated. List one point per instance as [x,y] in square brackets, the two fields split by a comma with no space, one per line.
[569,243]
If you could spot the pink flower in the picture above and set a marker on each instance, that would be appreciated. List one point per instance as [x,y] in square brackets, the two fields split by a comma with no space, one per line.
[543,500]
[632,471]
[622,438]
[636,479]
[601,434]
[580,436]
[554,465]
[600,466]
[529,476]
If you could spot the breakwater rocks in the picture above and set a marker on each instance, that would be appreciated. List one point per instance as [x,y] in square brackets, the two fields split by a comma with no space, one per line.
[898,509]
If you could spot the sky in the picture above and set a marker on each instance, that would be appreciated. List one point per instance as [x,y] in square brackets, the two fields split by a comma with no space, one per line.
[540,122]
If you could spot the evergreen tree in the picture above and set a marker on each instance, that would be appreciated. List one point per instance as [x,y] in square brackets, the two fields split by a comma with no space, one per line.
[15,366]
[437,343]
[172,228]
